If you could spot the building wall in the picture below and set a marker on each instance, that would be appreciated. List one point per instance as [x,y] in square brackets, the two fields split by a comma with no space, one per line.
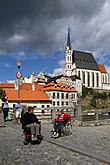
[89,78]
[60,101]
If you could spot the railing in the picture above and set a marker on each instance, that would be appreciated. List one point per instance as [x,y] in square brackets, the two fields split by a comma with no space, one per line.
[96,117]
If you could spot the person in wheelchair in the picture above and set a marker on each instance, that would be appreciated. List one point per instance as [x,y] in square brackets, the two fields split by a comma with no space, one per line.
[58,123]
[31,123]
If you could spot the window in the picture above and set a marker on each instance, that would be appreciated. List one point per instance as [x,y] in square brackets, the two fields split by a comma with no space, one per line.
[42,106]
[66,103]
[79,73]
[43,111]
[88,79]
[62,95]
[62,103]
[53,94]
[57,103]
[48,106]
[73,96]
[57,95]
[66,95]
[83,77]
[97,79]
[53,103]
[93,79]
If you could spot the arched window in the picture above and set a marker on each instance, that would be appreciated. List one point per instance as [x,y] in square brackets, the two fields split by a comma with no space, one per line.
[83,77]
[97,79]
[93,79]
[88,79]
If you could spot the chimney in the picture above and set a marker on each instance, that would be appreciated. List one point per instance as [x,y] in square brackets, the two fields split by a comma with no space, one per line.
[33,86]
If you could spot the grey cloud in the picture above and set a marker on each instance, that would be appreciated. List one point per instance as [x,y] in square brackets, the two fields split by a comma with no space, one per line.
[41,24]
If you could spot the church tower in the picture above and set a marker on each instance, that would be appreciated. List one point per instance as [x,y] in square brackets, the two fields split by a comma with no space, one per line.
[68,54]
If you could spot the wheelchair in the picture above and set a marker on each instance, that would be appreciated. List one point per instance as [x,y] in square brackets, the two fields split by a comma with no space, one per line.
[65,130]
[28,137]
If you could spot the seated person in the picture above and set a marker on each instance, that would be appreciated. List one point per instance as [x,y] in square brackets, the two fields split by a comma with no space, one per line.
[58,124]
[30,120]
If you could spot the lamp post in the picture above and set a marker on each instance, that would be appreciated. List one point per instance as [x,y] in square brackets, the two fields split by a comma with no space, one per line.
[18,76]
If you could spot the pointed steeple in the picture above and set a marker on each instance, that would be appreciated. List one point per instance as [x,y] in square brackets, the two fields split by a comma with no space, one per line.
[68,39]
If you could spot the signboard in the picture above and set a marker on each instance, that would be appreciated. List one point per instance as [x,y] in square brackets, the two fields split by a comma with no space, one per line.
[18,74]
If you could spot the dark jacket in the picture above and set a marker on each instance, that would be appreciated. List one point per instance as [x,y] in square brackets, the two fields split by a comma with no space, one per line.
[29,118]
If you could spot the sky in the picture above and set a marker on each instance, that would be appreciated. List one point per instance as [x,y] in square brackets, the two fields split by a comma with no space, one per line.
[35,32]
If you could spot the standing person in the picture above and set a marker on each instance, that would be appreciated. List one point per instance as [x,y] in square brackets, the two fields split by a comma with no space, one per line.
[18,111]
[5,110]
[30,120]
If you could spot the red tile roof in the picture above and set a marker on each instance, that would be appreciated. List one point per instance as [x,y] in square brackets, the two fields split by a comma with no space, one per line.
[7,85]
[102,68]
[27,95]
[59,87]
[28,86]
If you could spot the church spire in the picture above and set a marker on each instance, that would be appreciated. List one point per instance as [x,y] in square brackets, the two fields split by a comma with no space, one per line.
[68,39]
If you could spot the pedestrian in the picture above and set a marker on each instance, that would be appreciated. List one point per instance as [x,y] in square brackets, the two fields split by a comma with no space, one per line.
[18,110]
[5,110]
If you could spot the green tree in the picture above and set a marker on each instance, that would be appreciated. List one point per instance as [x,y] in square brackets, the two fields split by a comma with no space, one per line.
[2,94]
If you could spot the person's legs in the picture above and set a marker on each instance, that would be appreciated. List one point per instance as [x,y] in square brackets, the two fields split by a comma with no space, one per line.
[36,130]
[5,115]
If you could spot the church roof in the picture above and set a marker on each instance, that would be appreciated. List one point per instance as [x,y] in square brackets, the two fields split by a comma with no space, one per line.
[68,39]
[102,68]
[84,60]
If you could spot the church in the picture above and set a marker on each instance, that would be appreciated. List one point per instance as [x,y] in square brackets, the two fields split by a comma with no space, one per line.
[84,65]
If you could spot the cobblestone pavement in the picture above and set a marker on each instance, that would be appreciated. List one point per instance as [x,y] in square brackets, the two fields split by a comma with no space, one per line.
[85,140]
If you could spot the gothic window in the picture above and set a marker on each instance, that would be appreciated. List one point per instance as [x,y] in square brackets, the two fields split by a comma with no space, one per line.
[103,79]
[93,79]
[97,79]
[88,79]
[83,77]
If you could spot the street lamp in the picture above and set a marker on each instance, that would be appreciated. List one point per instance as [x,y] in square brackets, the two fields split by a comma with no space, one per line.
[18,76]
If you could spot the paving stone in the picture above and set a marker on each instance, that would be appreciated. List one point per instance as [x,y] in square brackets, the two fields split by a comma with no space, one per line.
[13,152]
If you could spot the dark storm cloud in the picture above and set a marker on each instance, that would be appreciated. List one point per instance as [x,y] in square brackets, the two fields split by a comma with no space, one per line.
[38,23]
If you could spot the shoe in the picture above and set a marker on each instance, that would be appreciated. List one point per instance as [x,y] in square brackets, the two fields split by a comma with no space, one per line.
[56,136]
[33,138]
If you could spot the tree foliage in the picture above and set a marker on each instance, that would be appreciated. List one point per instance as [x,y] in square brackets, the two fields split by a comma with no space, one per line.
[2,94]
[97,99]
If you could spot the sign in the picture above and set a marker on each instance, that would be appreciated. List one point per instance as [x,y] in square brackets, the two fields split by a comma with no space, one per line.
[18,74]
